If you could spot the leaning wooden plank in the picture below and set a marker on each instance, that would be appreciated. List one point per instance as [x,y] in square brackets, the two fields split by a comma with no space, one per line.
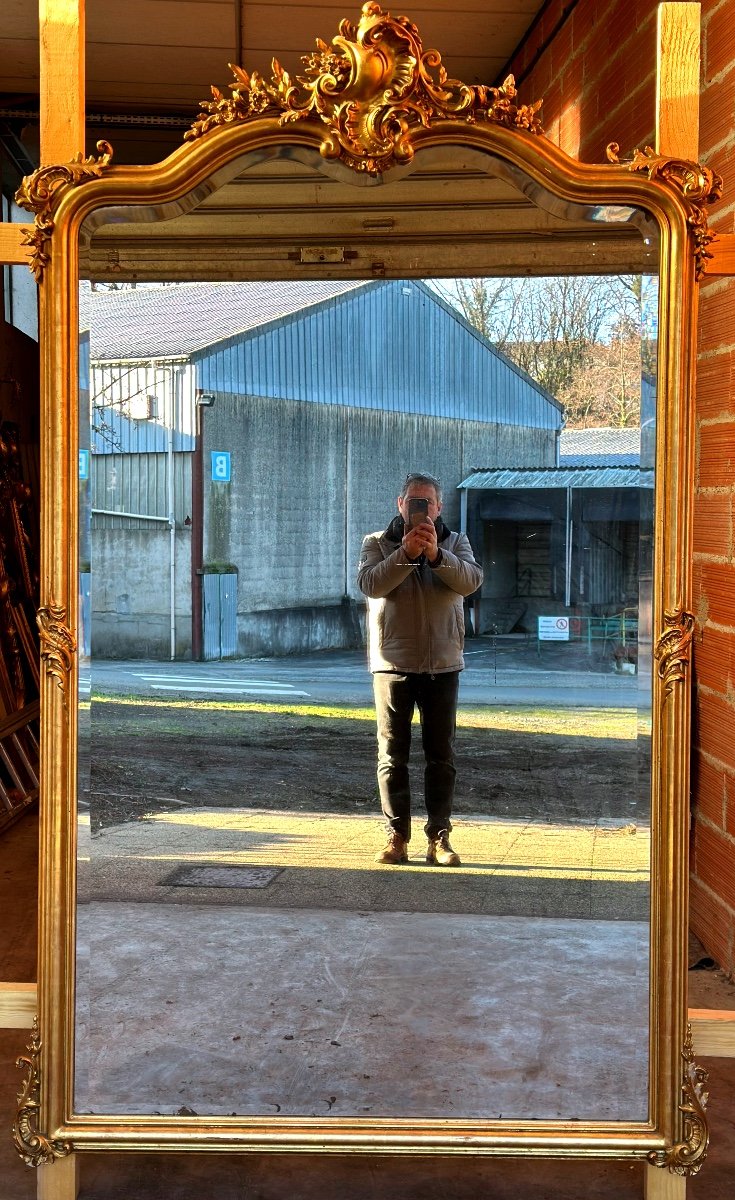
[713,1032]
[17,1005]
[12,247]
[722,250]
[677,81]
[61,79]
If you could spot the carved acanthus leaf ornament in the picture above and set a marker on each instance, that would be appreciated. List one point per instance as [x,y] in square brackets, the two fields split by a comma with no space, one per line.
[372,87]
[697,185]
[673,648]
[687,1156]
[58,644]
[41,191]
[35,1149]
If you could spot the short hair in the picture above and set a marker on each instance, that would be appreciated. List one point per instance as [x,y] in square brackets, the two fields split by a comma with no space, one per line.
[422,477]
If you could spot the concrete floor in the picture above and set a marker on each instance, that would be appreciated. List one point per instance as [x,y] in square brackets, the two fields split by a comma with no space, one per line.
[331,985]
[297,1177]
[309,1013]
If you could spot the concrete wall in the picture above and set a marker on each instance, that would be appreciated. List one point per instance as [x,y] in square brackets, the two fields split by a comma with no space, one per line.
[130,593]
[308,482]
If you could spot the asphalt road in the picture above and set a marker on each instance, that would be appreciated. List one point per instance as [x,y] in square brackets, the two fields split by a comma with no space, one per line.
[505,674]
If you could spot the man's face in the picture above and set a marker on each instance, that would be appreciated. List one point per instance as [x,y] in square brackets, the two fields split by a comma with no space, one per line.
[421,491]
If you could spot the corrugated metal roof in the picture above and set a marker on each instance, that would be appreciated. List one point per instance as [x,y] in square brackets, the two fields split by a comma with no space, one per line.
[560,477]
[600,447]
[393,345]
[173,322]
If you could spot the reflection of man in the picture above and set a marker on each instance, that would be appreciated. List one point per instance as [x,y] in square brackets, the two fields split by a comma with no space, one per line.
[415,577]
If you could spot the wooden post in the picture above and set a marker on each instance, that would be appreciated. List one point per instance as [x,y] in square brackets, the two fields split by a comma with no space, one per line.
[61,79]
[59,1180]
[662,1184]
[677,81]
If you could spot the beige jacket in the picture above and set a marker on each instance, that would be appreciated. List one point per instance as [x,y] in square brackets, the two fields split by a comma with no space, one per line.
[415,612]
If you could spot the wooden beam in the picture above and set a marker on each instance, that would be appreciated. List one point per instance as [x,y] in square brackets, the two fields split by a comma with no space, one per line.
[11,248]
[713,1032]
[61,79]
[722,250]
[677,81]
[18,1005]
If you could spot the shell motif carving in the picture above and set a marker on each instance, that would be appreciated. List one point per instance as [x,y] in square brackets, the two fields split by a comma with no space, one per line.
[697,185]
[33,1147]
[371,87]
[40,192]
[687,1156]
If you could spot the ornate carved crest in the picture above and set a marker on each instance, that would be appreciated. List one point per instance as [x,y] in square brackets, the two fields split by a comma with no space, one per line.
[697,185]
[371,87]
[58,644]
[33,1147]
[38,192]
[687,1156]
[673,648]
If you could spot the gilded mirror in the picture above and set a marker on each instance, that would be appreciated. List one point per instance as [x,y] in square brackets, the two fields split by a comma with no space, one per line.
[373,176]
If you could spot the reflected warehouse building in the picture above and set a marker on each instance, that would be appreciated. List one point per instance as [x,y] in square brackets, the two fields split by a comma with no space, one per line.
[206,495]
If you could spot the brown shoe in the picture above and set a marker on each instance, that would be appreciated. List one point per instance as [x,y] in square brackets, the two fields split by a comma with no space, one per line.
[395,851]
[439,853]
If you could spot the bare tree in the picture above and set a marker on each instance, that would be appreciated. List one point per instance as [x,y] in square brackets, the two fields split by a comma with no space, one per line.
[585,339]
[606,390]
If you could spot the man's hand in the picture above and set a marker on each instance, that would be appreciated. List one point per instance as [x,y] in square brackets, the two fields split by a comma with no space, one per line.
[421,539]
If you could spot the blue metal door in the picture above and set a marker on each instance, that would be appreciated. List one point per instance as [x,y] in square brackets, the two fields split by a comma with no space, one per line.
[219,598]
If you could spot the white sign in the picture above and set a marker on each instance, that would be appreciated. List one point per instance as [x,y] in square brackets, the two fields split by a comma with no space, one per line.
[553,629]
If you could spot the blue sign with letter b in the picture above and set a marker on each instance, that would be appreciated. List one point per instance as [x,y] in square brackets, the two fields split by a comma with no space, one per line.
[221,472]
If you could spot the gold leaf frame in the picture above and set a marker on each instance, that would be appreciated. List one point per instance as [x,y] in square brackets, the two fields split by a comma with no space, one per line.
[34,1148]
[382,127]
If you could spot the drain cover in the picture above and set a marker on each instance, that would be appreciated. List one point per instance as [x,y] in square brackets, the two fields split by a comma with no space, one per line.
[226,877]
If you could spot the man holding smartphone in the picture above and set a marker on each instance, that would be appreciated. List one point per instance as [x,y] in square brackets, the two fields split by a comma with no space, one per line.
[415,575]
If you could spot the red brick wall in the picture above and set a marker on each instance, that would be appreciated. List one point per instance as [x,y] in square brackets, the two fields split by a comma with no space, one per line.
[713,764]
[596,73]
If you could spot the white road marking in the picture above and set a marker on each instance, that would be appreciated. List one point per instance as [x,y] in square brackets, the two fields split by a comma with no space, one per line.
[213,679]
[235,690]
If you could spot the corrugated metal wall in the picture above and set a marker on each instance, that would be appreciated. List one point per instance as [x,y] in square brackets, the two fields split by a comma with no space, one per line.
[611,562]
[395,347]
[135,404]
[138,483]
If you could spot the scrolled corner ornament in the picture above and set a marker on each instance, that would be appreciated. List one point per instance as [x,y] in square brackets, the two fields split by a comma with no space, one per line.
[33,1147]
[41,191]
[58,644]
[371,88]
[673,648]
[686,1157]
[697,185]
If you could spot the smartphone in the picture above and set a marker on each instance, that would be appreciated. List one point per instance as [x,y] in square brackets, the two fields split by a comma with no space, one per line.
[418,511]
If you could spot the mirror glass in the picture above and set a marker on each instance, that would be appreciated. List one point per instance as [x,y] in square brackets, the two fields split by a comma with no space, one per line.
[239,950]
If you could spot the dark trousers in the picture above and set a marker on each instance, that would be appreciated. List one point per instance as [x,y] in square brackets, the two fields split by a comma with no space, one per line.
[396,696]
